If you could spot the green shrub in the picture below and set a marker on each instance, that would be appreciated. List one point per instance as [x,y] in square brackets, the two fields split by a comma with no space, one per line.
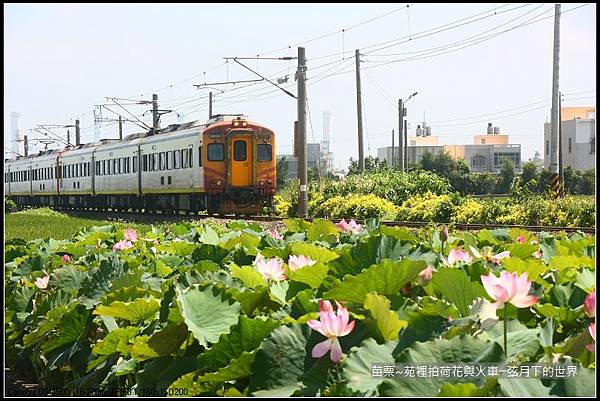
[357,206]
[470,211]
[427,207]
[9,205]
[282,207]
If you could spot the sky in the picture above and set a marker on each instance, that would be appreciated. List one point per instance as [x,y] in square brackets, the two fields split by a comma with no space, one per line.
[470,64]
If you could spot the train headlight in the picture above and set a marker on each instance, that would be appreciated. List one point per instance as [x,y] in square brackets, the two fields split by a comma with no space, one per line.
[236,123]
[219,182]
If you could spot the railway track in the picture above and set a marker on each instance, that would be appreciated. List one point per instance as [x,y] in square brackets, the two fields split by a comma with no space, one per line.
[153,216]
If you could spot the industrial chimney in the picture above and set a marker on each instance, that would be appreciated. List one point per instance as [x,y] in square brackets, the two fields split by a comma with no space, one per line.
[15,135]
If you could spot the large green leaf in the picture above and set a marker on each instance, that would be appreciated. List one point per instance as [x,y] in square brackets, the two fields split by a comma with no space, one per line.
[115,341]
[280,361]
[246,336]
[563,314]
[311,275]
[71,327]
[207,312]
[522,251]
[533,267]
[388,324]
[237,368]
[464,348]
[522,387]
[315,252]
[139,310]
[467,389]
[523,342]
[357,367]
[322,230]
[455,287]
[164,342]
[248,275]
[386,278]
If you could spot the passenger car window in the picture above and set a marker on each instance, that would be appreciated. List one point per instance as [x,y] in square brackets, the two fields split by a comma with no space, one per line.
[239,151]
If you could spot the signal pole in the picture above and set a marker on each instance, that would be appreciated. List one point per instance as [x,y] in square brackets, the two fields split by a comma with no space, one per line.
[405,147]
[361,156]
[302,174]
[120,127]
[210,100]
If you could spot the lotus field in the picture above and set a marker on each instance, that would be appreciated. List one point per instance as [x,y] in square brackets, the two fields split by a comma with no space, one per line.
[317,309]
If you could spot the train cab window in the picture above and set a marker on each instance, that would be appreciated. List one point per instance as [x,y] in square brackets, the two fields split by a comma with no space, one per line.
[200,156]
[176,159]
[239,151]
[184,158]
[216,152]
[191,158]
[168,159]
[264,152]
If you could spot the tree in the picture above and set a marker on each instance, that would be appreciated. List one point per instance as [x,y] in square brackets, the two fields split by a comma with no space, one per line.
[371,164]
[544,181]
[537,159]
[529,172]
[588,182]
[507,173]
[282,171]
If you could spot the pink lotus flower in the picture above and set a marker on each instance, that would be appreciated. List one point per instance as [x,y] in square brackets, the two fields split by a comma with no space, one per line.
[42,282]
[332,326]
[424,276]
[592,330]
[538,254]
[66,258]
[130,235]
[270,269]
[509,287]
[298,262]
[589,305]
[275,234]
[123,244]
[521,239]
[350,226]
[496,258]
[458,255]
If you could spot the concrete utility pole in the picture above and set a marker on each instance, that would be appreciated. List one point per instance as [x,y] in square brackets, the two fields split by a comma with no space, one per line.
[405,146]
[155,125]
[120,127]
[560,148]
[77,133]
[554,168]
[400,139]
[210,100]
[25,146]
[68,138]
[392,148]
[302,175]
[361,154]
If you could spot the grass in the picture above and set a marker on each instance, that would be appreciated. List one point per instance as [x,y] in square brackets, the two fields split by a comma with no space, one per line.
[46,223]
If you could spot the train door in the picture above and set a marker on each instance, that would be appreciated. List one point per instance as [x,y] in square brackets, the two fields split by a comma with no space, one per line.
[241,156]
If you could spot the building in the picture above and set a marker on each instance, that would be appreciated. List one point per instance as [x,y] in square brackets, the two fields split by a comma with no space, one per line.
[313,156]
[487,153]
[578,138]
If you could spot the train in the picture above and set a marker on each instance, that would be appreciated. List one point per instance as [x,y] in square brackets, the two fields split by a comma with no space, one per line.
[225,165]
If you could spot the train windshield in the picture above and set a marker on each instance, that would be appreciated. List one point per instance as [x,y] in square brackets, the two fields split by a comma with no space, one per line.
[264,152]
[216,152]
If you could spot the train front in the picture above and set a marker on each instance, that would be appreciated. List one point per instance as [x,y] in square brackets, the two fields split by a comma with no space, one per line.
[240,166]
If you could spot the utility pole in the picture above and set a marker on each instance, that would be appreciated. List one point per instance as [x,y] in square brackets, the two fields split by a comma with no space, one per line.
[405,146]
[302,175]
[361,155]
[560,148]
[400,139]
[554,168]
[68,138]
[77,133]
[120,127]
[155,125]
[210,100]
[25,146]
[392,148]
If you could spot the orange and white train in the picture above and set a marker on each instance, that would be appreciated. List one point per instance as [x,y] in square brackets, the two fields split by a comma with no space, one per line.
[225,165]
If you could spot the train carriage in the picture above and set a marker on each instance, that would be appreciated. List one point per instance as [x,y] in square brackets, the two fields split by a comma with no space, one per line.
[226,165]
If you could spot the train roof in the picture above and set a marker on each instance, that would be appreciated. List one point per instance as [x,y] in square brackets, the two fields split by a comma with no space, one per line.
[172,128]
